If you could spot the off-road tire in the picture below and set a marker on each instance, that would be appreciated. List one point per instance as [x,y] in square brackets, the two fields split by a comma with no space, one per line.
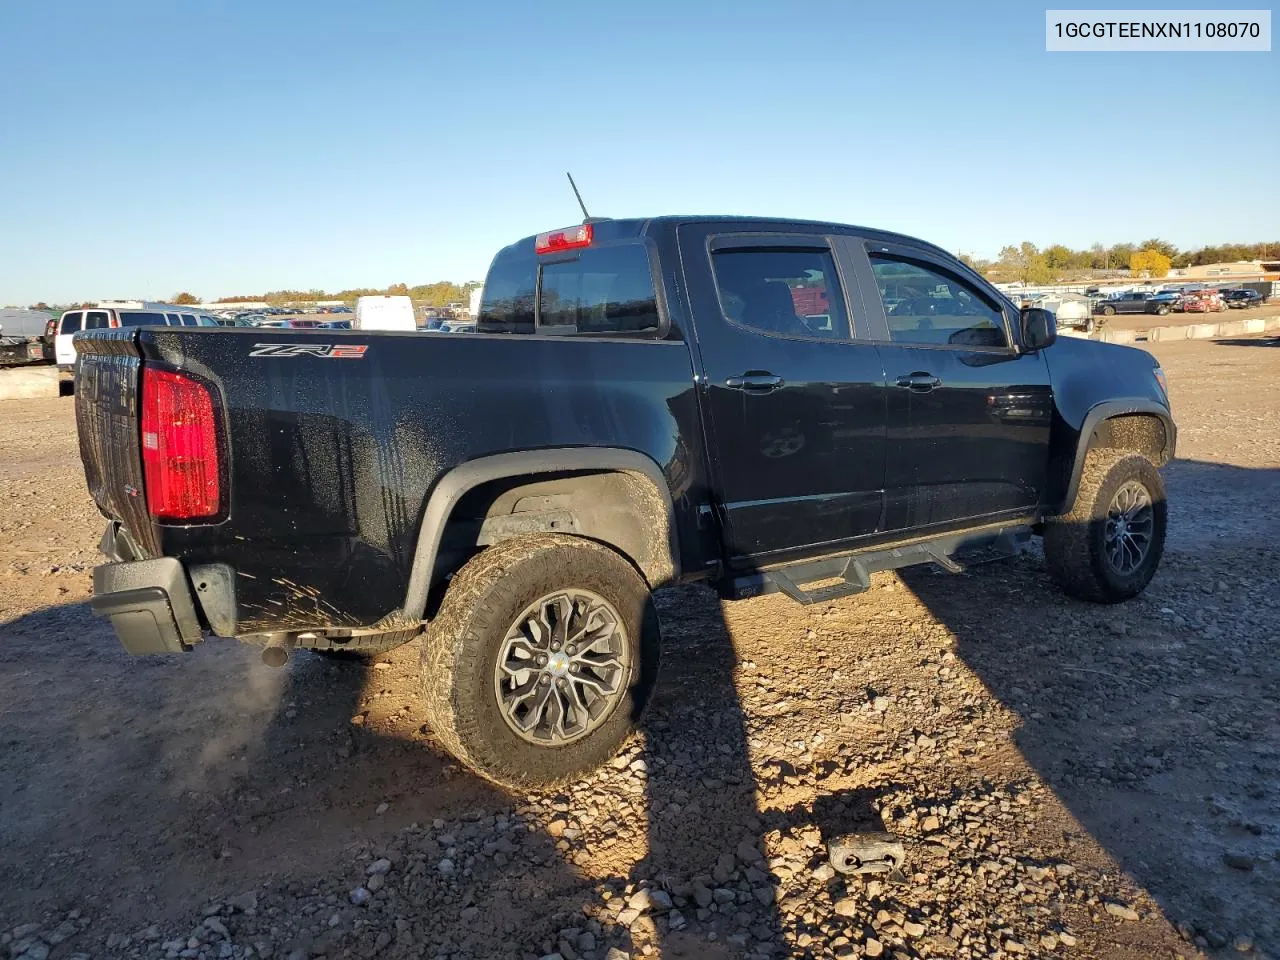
[1074,542]
[361,647]
[463,642]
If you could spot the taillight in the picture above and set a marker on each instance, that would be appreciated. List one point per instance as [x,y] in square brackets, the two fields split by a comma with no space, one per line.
[570,238]
[179,447]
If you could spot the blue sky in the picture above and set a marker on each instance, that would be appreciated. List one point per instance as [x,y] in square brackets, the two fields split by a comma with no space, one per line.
[149,146]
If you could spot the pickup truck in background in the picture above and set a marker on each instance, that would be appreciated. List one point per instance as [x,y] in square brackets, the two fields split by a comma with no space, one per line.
[22,336]
[762,405]
[1133,303]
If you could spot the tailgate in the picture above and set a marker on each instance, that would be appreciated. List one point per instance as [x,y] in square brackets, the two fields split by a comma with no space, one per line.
[107,418]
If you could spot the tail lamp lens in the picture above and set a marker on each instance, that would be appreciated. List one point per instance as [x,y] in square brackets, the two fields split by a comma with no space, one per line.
[179,447]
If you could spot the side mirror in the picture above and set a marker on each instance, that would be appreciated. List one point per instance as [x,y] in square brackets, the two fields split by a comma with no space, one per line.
[1039,328]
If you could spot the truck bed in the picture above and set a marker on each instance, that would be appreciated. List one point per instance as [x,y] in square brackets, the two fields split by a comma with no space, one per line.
[333,440]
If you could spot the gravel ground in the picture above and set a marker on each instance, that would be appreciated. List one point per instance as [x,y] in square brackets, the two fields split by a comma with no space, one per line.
[1068,780]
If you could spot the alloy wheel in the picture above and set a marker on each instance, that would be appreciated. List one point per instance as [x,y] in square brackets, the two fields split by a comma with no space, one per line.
[563,667]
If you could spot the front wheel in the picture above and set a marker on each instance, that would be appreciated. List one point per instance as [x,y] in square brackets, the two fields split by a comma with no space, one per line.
[1107,547]
[541,660]
[1163,311]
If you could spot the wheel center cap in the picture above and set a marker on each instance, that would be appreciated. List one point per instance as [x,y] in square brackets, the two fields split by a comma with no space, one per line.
[558,664]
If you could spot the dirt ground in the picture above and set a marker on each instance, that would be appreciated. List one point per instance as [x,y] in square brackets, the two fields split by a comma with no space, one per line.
[1069,780]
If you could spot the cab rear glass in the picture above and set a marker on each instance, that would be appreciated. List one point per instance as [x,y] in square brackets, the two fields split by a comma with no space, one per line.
[600,291]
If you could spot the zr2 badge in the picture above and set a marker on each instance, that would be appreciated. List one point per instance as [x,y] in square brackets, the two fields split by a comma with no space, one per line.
[339,351]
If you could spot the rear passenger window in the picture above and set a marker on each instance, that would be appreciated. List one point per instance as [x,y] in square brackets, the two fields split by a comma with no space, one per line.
[71,322]
[189,320]
[173,320]
[783,292]
[605,290]
[926,306]
[96,320]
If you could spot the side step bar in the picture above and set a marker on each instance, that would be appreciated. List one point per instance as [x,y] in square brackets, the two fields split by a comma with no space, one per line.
[854,570]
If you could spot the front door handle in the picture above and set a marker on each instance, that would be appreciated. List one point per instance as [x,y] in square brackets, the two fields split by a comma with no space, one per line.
[919,382]
[755,382]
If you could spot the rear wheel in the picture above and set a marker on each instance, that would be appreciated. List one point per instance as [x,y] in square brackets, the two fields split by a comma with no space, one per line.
[541,660]
[1108,546]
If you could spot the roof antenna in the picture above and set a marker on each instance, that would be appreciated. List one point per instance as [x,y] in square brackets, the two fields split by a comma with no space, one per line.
[586,217]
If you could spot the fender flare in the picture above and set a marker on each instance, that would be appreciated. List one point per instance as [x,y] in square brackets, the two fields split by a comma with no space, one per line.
[1107,410]
[451,488]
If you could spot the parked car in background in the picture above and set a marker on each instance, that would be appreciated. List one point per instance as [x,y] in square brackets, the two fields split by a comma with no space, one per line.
[334,324]
[1071,311]
[22,336]
[1133,302]
[115,314]
[385,312]
[458,326]
[1242,299]
[1203,301]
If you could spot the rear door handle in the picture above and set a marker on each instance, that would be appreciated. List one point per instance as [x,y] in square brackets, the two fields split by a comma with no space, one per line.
[755,382]
[919,382]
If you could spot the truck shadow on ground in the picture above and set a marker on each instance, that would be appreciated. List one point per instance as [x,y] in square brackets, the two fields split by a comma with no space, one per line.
[1154,721]
[141,789]
[1250,342]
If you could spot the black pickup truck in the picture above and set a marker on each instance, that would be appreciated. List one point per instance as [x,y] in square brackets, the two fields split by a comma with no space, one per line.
[1133,303]
[764,405]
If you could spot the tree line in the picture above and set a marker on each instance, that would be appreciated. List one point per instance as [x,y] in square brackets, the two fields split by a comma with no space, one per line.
[432,294]
[1154,257]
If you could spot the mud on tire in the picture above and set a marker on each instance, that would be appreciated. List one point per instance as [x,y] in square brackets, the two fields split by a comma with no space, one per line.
[485,601]
[1080,546]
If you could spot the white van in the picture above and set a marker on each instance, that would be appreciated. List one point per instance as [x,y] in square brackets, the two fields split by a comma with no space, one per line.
[111,314]
[384,313]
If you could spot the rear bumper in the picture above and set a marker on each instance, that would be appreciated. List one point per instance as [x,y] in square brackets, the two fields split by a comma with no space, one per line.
[148,603]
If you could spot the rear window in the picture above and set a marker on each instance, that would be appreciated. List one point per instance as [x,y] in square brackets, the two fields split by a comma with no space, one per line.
[604,290]
[71,322]
[96,320]
[141,319]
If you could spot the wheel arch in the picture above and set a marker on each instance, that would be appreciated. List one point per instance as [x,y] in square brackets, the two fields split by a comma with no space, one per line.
[615,496]
[1134,423]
